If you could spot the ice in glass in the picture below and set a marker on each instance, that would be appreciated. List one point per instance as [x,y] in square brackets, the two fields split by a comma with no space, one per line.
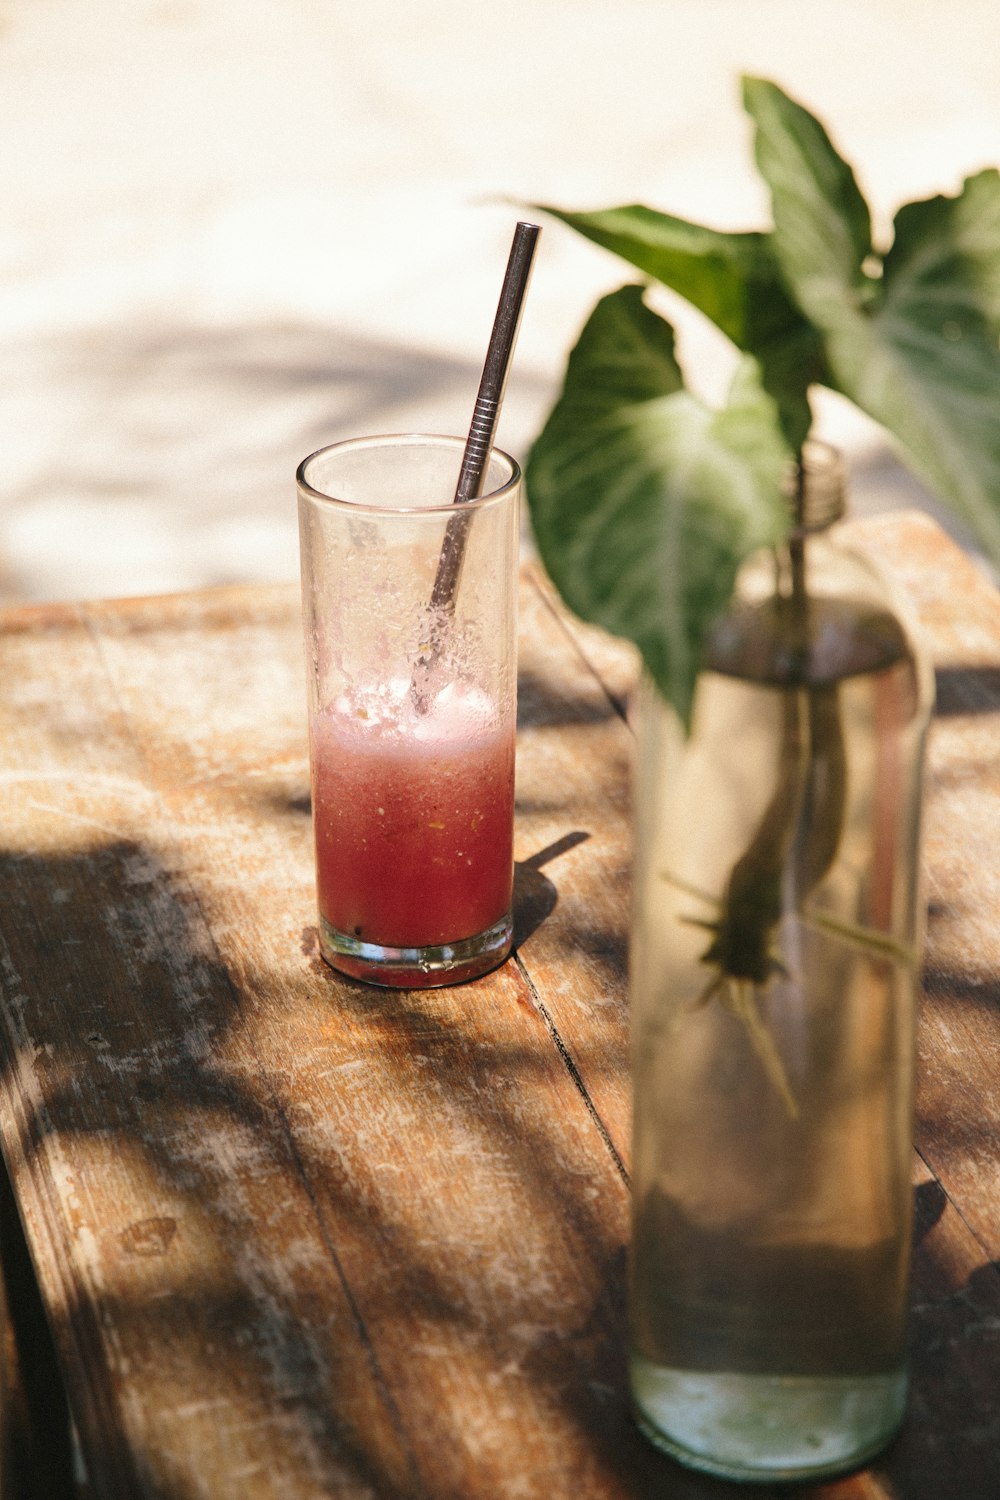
[412,709]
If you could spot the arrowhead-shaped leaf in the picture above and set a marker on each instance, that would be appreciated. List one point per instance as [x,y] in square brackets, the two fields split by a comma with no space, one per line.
[917,348]
[824,222]
[733,279]
[644,501]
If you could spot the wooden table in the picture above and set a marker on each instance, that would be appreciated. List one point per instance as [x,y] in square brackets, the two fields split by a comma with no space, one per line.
[296,1237]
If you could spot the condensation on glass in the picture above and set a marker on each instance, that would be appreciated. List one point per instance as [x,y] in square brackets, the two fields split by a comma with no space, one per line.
[409,613]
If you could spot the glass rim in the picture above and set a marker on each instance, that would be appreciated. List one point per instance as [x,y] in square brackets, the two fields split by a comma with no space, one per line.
[401,440]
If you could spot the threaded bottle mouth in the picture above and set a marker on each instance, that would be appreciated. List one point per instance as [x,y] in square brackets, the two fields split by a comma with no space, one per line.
[816,488]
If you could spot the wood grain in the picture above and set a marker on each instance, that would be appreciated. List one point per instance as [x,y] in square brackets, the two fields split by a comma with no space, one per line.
[297,1236]
[300,1237]
[958,1107]
[951,1443]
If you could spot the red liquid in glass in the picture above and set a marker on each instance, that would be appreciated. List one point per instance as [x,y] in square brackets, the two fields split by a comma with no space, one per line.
[413,818]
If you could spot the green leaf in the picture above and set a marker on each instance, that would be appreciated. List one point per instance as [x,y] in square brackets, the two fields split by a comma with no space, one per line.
[714,270]
[927,363]
[918,348]
[730,277]
[945,244]
[643,500]
[821,220]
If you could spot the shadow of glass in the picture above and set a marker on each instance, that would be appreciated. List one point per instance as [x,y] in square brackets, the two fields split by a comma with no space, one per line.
[535,896]
[929,1203]
[966,690]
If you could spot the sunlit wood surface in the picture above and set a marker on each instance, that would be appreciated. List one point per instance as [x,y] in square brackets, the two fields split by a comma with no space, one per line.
[297,1237]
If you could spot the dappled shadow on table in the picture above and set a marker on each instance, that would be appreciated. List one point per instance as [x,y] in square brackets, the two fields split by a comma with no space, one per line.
[440,1210]
[400,1150]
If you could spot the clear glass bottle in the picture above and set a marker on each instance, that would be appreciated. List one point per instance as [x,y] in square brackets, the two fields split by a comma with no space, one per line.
[775,961]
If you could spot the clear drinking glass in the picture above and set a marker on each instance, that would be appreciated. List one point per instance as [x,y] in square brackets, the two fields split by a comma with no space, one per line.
[775,964]
[410,617]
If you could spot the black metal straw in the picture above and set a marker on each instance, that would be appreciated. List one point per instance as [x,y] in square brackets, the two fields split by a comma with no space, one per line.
[486,412]
[485,416]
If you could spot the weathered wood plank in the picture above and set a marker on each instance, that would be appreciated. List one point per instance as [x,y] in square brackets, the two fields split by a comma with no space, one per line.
[951,1442]
[958,1094]
[613,660]
[144,1170]
[572,782]
[36,1451]
[956,1331]
[461,1174]
[302,1237]
[456,1172]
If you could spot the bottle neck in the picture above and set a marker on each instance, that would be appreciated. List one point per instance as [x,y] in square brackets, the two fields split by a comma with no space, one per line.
[816,489]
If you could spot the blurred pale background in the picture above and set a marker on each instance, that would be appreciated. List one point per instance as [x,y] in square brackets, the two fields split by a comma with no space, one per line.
[232,230]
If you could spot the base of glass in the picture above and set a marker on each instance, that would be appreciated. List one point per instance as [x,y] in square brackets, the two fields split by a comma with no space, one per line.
[766,1427]
[417,968]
